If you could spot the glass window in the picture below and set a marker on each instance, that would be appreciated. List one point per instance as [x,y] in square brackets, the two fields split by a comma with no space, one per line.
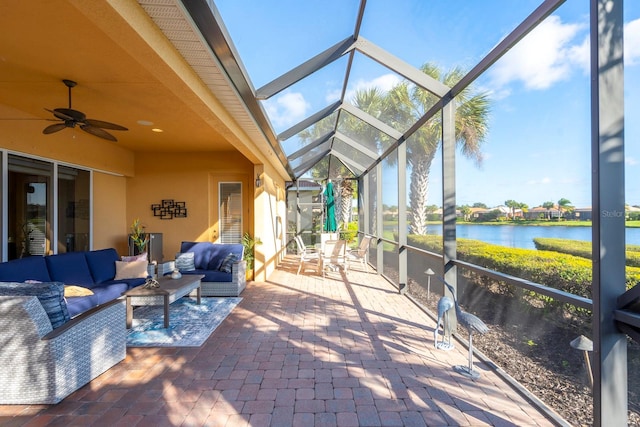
[73,209]
[230,212]
[30,207]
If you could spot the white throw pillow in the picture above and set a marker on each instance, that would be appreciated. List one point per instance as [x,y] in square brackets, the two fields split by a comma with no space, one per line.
[131,270]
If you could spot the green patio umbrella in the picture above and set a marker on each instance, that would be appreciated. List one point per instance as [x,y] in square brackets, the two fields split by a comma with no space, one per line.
[330,220]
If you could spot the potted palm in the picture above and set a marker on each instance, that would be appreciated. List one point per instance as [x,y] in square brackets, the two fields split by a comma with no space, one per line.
[249,244]
[138,237]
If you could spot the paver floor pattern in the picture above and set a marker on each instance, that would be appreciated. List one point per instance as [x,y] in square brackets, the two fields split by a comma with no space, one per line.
[298,351]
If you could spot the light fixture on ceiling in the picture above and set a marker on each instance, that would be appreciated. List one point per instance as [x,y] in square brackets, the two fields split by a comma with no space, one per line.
[258,181]
[157,130]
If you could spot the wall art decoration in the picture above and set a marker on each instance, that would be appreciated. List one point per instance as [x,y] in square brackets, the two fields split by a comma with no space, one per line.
[169,209]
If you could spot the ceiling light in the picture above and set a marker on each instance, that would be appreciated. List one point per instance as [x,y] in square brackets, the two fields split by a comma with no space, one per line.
[145,122]
[157,130]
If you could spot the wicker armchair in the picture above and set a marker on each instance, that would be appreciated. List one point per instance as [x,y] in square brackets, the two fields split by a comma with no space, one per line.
[41,365]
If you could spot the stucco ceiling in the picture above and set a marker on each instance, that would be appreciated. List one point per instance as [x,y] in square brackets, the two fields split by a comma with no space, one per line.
[127,71]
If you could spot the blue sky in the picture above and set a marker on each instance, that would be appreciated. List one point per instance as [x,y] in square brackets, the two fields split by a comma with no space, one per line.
[538,145]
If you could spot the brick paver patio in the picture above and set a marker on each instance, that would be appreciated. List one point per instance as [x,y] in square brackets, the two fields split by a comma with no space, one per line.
[297,351]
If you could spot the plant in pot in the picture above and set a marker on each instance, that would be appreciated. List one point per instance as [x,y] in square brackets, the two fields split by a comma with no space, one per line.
[249,244]
[139,237]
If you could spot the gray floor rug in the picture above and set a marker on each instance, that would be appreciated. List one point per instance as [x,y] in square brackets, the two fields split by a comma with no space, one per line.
[190,324]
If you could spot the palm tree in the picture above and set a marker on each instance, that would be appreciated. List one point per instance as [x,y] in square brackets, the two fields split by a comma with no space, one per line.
[466,212]
[564,205]
[513,205]
[548,206]
[401,107]
[405,104]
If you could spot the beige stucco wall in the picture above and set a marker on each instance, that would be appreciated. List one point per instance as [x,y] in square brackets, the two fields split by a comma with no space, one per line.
[270,222]
[109,212]
[189,178]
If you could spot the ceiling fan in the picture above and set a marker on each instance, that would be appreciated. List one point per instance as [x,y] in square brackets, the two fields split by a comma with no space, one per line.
[70,118]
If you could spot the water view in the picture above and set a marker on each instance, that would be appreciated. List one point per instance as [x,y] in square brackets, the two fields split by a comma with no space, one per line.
[521,236]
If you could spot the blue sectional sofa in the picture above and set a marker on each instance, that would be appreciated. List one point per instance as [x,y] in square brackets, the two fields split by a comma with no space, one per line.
[94,270]
[208,259]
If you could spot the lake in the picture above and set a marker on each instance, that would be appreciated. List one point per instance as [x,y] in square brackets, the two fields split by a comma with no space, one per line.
[521,236]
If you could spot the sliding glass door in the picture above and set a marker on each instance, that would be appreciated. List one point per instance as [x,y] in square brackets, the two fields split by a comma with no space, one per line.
[30,210]
[73,209]
[46,215]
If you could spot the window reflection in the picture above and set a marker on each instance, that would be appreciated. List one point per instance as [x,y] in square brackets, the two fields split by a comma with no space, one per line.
[73,209]
[29,200]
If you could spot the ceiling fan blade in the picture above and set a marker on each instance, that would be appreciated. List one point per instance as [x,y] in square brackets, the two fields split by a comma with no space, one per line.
[104,125]
[98,132]
[27,118]
[54,128]
[69,114]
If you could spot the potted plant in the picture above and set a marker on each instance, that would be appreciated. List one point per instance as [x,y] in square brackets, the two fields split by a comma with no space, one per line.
[139,237]
[249,244]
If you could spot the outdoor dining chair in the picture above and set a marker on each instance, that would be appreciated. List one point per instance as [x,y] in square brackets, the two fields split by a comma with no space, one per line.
[306,254]
[361,253]
[334,254]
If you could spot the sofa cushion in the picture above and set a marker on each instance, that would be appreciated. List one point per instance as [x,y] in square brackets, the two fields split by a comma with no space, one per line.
[222,251]
[213,275]
[78,305]
[70,268]
[50,295]
[185,261]
[202,252]
[131,283]
[23,269]
[101,295]
[102,264]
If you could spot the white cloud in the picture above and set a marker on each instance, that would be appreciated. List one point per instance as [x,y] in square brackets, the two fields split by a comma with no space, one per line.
[544,57]
[543,181]
[632,43]
[630,161]
[287,109]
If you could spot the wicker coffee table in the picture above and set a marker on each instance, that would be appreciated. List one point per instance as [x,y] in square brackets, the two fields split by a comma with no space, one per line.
[170,290]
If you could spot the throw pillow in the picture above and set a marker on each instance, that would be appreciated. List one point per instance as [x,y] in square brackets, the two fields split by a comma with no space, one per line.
[131,270]
[76,291]
[131,258]
[227,262]
[185,261]
[50,295]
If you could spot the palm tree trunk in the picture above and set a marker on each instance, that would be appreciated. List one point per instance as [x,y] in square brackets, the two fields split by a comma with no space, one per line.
[346,194]
[338,201]
[418,193]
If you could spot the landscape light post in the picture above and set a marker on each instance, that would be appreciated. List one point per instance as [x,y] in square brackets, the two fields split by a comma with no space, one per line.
[429,273]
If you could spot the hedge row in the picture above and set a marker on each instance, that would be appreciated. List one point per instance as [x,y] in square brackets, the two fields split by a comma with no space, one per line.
[556,270]
[582,249]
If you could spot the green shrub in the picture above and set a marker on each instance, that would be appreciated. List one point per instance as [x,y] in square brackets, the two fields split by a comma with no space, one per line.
[581,248]
[556,270]
[350,233]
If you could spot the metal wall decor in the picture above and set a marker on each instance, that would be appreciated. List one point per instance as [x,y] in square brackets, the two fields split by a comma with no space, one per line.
[169,209]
